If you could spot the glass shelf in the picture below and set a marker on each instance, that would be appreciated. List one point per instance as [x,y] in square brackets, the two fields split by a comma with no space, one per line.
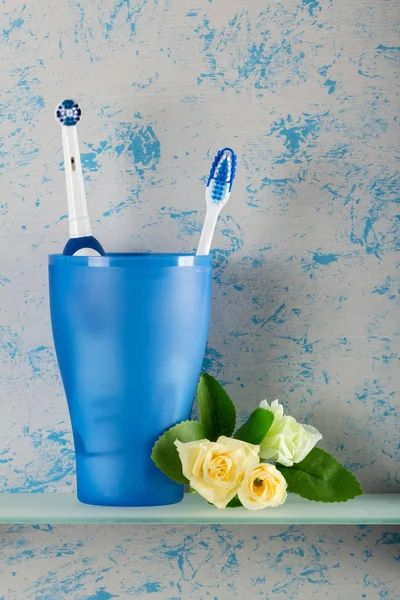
[65,508]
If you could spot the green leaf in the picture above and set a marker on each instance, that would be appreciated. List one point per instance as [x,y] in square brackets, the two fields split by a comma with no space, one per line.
[256,427]
[165,453]
[321,477]
[234,503]
[217,411]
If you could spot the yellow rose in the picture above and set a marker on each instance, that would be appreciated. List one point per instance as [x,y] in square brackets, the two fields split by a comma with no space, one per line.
[262,486]
[214,468]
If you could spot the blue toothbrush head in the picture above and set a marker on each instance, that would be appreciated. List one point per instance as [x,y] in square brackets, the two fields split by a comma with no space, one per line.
[68,113]
[221,177]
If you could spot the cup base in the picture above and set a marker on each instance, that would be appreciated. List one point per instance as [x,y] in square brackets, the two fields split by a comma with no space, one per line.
[124,479]
[130,504]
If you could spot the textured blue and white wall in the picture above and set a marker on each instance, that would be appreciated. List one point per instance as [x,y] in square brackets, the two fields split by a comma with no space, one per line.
[306,292]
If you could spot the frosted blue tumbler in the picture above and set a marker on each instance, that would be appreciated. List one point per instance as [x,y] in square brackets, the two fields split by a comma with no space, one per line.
[130,332]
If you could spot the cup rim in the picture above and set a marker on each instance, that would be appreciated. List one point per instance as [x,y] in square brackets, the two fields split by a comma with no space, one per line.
[115,259]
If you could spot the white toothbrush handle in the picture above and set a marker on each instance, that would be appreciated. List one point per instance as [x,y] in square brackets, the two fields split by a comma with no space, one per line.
[208,230]
[79,225]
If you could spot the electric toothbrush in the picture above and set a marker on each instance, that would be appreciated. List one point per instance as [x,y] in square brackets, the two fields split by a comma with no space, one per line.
[81,242]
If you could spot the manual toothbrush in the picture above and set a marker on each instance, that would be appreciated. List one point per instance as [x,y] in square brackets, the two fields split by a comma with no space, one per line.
[218,190]
[68,114]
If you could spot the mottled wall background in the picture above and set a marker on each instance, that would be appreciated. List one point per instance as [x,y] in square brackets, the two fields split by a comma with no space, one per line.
[306,289]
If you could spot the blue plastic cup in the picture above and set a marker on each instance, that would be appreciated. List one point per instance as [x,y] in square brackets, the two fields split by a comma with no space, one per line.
[130,332]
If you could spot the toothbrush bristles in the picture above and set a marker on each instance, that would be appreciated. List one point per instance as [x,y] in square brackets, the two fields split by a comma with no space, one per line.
[68,113]
[222,175]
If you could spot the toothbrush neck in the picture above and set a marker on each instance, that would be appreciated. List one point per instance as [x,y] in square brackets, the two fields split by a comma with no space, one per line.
[208,230]
[79,225]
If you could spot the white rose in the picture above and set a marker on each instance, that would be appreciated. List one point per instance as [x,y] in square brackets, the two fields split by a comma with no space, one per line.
[262,486]
[287,441]
[214,468]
